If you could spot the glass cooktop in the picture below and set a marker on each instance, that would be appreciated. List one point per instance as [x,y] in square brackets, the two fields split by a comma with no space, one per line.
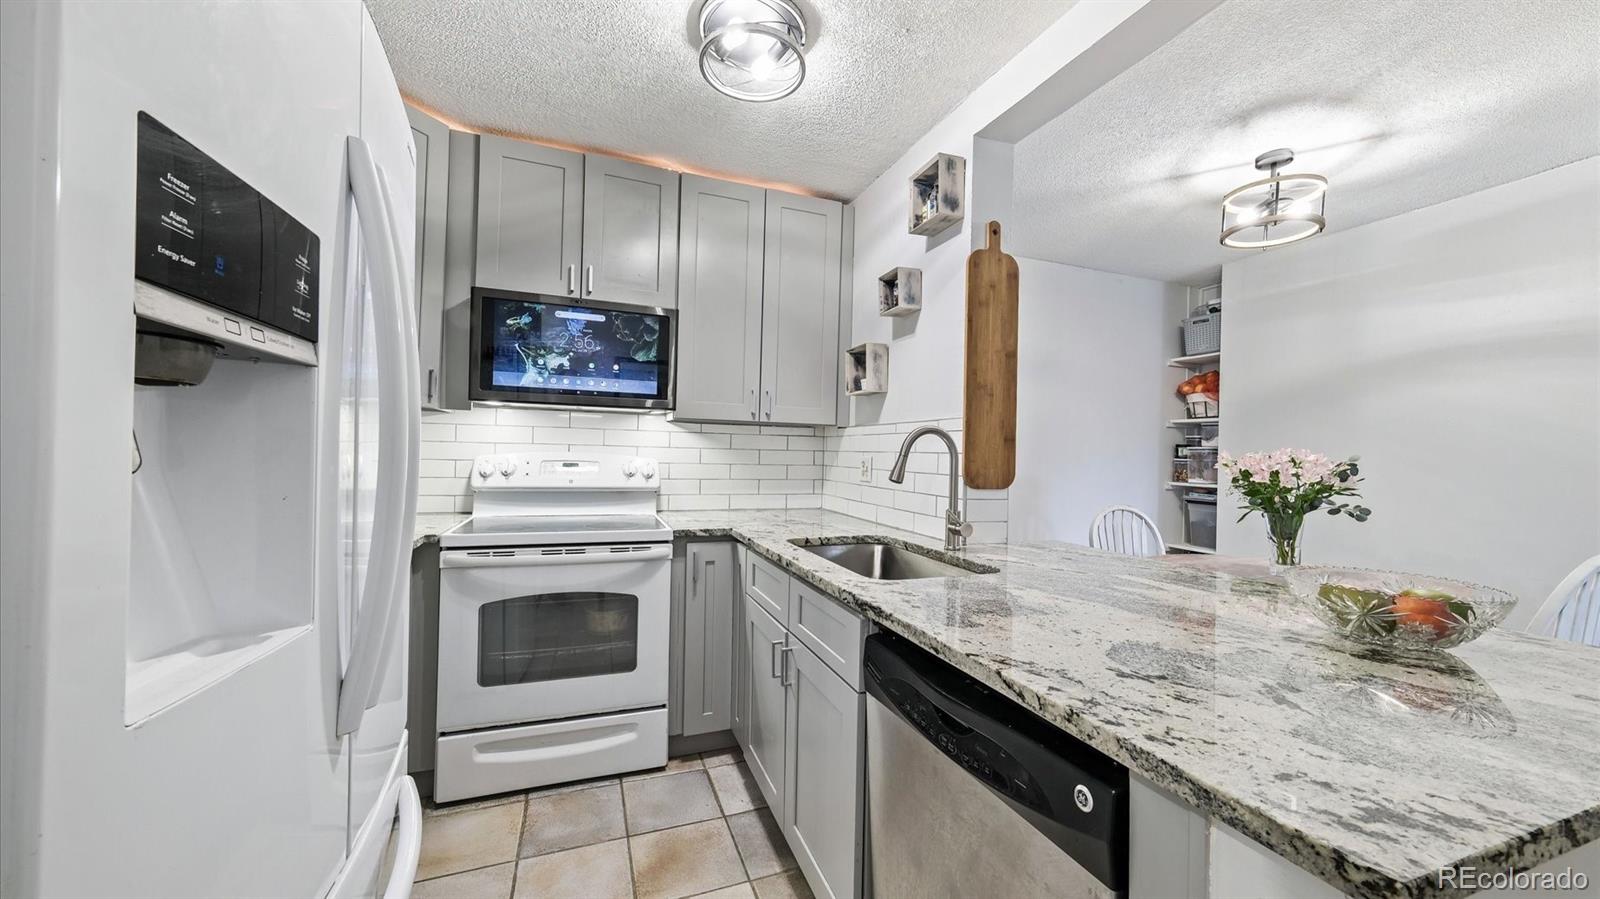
[547,530]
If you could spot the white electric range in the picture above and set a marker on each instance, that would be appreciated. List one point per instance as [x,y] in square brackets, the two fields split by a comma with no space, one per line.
[553,621]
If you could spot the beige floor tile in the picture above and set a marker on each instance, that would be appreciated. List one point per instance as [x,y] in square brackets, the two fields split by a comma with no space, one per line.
[683,861]
[683,763]
[736,789]
[459,841]
[669,800]
[761,843]
[737,891]
[568,820]
[722,757]
[485,883]
[556,789]
[467,805]
[788,885]
[591,872]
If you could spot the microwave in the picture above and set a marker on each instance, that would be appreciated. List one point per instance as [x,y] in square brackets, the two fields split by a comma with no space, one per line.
[566,351]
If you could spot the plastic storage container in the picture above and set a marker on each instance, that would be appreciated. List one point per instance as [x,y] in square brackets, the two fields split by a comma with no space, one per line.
[1202,464]
[1202,331]
[1200,519]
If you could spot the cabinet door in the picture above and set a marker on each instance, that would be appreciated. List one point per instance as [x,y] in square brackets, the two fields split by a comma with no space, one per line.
[764,641]
[739,715]
[630,232]
[821,815]
[675,638]
[719,300]
[708,638]
[530,216]
[800,310]
[432,140]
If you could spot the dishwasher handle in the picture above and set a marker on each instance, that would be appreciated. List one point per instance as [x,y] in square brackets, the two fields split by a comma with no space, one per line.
[1069,791]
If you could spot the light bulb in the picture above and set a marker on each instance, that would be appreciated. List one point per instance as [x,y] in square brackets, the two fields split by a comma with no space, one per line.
[735,35]
[762,65]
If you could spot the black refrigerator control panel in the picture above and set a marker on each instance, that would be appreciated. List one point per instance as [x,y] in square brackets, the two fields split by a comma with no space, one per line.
[203,232]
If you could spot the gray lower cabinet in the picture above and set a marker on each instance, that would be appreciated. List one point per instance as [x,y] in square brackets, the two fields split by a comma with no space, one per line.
[766,742]
[805,726]
[739,713]
[431,138]
[630,232]
[708,600]
[530,217]
[800,310]
[821,812]
[722,232]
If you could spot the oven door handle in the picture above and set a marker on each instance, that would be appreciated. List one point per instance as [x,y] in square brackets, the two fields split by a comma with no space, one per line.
[518,558]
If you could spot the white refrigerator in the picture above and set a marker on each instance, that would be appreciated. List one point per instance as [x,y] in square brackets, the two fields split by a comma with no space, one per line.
[202,596]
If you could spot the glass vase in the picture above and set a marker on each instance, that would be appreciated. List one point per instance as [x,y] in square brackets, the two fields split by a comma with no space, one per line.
[1283,529]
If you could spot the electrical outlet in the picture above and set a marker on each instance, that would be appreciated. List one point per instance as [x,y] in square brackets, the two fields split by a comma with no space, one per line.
[866,470]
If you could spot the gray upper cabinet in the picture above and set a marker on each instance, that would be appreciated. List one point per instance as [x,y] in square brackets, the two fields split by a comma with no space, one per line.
[821,812]
[723,229]
[530,217]
[707,679]
[630,232]
[800,310]
[432,140]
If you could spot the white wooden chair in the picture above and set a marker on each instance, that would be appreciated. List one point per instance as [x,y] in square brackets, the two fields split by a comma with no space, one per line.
[1126,530]
[1572,611]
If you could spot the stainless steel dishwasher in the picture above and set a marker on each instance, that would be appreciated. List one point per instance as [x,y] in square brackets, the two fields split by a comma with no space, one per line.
[970,795]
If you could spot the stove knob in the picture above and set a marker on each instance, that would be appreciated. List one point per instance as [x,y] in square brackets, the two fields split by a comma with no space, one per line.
[649,469]
[508,467]
[629,469]
[485,467]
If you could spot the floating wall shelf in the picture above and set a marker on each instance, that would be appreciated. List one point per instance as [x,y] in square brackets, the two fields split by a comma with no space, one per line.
[866,369]
[938,195]
[900,291]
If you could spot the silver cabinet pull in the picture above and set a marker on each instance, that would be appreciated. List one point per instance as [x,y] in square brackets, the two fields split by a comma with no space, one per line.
[753,404]
[588,280]
[776,656]
[431,379]
[783,666]
[572,279]
[769,403]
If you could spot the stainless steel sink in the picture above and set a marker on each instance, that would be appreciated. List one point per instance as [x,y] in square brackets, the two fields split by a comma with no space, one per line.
[888,562]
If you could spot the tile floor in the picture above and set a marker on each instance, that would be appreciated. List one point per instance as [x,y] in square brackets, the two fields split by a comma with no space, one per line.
[698,827]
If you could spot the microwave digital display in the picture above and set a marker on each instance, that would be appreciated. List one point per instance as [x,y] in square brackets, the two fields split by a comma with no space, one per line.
[539,349]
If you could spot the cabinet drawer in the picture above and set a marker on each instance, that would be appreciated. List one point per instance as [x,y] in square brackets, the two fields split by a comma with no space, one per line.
[828,629]
[768,585]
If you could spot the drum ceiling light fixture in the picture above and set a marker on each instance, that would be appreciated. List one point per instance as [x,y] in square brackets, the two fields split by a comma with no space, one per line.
[1275,210]
[753,49]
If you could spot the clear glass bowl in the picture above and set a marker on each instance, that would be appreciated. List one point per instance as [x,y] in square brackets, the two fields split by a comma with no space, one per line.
[1398,610]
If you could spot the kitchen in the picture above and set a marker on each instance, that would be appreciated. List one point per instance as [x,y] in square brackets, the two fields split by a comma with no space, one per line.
[535,492]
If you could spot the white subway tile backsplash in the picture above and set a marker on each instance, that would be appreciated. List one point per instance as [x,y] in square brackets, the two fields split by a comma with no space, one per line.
[710,466]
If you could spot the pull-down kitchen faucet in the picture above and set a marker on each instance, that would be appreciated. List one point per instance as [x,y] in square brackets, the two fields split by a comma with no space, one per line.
[956,531]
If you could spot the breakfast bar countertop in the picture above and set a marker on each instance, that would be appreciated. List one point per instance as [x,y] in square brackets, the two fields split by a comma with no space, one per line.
[1369,770]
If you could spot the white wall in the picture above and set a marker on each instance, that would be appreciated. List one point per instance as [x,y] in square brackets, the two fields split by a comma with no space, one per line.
[1457,349]
[926,350]
[1091,373]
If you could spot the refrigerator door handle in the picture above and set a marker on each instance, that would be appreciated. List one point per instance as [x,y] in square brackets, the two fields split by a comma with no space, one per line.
[407,843]
[398,402]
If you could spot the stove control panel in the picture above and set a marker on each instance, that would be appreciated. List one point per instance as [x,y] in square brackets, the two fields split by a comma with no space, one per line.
[572,471]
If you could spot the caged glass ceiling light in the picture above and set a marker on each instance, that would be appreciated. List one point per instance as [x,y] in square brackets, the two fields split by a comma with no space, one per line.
[753,49]
[1276,210]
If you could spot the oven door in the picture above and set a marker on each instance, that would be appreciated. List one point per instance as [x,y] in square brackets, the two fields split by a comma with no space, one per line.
[541,633]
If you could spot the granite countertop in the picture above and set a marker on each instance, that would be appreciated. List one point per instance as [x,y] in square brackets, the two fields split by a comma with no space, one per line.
[1369,771]
[431,524]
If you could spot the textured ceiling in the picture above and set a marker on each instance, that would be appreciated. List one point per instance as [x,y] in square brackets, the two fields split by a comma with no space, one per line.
[1400,104]
[622,76]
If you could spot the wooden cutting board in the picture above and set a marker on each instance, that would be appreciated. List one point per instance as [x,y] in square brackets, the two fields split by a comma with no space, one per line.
[990,424]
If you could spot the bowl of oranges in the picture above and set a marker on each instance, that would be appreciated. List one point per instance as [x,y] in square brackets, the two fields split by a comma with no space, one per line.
[1396,610]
